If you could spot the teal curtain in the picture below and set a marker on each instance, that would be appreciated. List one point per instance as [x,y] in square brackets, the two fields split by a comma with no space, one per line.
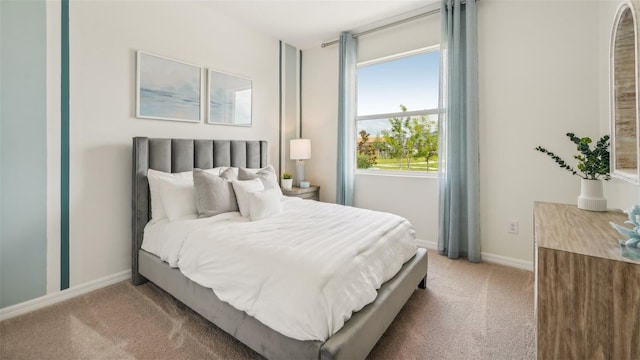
[459,190]
[346,119]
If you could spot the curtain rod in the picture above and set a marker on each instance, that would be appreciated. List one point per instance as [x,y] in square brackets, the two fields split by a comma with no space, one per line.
[399,22]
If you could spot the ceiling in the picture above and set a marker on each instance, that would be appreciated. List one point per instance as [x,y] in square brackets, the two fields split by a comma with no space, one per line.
[307,23]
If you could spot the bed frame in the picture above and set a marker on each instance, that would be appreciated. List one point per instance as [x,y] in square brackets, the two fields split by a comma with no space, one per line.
[359,334]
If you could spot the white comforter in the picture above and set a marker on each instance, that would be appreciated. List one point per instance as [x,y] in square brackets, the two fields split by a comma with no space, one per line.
[302,272]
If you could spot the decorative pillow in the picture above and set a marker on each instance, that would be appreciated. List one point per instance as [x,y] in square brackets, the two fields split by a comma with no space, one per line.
[242,190]
[154,176]
[214,194]
[178,197]
[267,175]
[263,204]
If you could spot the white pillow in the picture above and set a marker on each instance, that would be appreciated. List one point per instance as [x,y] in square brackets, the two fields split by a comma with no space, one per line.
[263,204]
[158,211]
[229,173]
[266,174]
[215,171]
[154,176]
[242,190]
[178,197]
[252,170]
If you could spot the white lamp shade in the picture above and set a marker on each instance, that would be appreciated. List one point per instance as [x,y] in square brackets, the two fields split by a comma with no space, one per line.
[300,149]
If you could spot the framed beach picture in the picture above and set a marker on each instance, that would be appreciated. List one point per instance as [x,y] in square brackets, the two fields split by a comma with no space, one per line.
[230,99]
[167,89]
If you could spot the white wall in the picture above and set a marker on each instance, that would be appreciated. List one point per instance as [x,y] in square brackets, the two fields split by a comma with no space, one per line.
[537,82]
[539,78]
[104,37]
[319,117]
[421,33]
[415,198]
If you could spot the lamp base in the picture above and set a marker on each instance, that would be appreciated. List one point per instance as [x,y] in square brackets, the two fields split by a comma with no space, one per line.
[299,171]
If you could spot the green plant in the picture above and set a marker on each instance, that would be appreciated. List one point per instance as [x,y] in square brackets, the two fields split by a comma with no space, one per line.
[592,163]
[363,161]
[286,176]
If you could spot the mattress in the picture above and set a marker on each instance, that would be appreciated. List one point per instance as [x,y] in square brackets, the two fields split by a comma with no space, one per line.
[302,272]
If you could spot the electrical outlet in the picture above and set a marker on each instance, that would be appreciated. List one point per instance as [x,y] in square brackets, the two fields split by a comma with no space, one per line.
[512,227]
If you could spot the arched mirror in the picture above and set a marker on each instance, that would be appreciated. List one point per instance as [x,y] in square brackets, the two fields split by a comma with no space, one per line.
[624,80]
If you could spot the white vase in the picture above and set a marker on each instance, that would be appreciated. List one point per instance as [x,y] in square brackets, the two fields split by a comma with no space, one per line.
[287,183]
[591,196]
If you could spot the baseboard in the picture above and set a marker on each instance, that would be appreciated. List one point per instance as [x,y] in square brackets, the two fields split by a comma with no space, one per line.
[50,299]
[491,258]
[507,261]
[429,245]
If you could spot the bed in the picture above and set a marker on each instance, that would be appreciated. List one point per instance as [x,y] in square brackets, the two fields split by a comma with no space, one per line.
[353,341]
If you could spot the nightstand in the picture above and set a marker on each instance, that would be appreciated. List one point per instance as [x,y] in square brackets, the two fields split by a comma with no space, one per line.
[311,193]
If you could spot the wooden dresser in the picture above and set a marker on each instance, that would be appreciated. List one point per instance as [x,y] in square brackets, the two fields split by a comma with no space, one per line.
[587,296]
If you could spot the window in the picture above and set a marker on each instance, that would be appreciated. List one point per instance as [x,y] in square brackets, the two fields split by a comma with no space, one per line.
[397,115]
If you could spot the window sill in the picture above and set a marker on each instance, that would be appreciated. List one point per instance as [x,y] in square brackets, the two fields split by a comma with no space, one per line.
[403,174]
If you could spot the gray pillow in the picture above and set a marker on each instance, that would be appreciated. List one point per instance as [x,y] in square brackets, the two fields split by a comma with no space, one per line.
[214,194]
[267,175]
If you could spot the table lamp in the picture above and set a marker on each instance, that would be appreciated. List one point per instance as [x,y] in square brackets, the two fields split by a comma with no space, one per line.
[300,150]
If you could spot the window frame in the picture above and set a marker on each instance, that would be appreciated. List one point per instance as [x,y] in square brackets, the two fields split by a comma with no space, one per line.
[425,112]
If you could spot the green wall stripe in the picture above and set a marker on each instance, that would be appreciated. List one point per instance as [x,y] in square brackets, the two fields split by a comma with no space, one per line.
[64,150]
[280,50]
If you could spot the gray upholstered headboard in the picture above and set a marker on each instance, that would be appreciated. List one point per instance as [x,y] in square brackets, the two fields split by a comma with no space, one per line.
[178,155]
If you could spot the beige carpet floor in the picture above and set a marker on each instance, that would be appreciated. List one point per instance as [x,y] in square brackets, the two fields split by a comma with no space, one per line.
[469,311]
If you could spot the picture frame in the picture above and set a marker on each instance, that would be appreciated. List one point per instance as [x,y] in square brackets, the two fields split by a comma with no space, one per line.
[229,100]
[168,89]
